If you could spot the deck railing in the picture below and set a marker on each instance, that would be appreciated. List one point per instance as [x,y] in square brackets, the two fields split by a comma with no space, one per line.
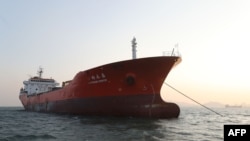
[174,52]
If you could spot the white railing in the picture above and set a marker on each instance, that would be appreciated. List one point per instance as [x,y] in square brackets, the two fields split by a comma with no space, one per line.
[174,52]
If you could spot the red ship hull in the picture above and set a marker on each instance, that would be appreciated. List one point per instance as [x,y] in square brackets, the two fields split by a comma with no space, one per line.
[126,88]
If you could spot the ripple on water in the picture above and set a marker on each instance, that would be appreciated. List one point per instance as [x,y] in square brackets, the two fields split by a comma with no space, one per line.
[30,137]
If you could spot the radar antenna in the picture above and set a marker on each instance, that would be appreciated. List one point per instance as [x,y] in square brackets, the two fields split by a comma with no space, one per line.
[40,72]
[134,48]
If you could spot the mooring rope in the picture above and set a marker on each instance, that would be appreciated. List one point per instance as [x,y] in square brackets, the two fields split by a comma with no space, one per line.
[192,99]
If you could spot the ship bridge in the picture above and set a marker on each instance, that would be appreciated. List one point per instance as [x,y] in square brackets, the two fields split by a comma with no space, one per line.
[37,84]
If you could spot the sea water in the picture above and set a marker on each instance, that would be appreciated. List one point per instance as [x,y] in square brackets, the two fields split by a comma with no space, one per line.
[193,124]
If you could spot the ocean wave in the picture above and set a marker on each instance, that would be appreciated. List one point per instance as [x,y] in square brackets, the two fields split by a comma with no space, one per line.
[192,125]
[28,137]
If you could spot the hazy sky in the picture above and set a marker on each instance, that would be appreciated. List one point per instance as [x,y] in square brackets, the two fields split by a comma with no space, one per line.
[67,36]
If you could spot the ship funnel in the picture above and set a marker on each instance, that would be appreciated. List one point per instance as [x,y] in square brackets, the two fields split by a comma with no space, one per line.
[134,48]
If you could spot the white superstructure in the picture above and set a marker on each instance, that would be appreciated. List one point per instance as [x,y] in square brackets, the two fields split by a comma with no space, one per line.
[36,85]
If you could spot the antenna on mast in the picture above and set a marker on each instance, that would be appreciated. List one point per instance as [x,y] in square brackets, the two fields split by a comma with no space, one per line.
[134,48]
[40,72]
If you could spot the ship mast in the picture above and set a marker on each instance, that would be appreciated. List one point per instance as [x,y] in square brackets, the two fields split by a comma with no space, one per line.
[134,48]
[40,72]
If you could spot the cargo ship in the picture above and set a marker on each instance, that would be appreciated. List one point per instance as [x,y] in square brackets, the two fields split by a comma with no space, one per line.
[128,88]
